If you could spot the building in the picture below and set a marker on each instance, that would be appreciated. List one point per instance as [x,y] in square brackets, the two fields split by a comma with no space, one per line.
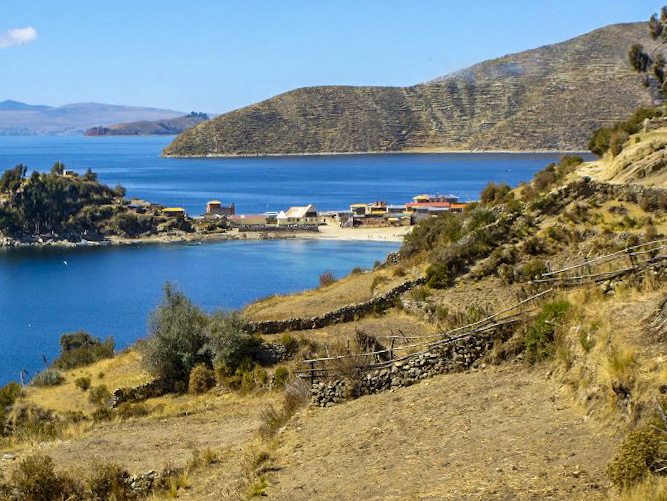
[215,208]
[174,211]
[243,219]
[298,215]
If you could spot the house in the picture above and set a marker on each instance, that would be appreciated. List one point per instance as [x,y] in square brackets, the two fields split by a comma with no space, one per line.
[424,199]
[298,215]
[174,212]
[215,208]
[329,218]
[271,217]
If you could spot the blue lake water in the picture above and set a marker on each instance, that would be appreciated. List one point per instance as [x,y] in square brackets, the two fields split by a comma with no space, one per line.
[110,291]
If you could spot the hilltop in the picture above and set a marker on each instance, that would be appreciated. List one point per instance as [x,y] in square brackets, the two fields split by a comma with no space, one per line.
[170,126]
[23,119]
[549,98]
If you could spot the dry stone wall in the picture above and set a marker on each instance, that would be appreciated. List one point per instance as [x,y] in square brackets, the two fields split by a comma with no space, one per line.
[344,314]
[458,355]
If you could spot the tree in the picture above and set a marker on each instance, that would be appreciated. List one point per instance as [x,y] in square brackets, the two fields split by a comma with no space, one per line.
[12,178]
[230,343]
[177,335]
[58,168]
[651,65]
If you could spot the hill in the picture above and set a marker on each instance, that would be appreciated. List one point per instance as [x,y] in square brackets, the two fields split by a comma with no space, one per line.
[170,126]
[20,119]
[549,98]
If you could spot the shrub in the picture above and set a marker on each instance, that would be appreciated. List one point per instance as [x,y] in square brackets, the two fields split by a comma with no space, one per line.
[9,393]
[109,481]
[534,246]
[35,479]
[493,193]
[420,293]
[635,457]
[176,338]
[540,336]
[201,379]
[356,271]
[102,414]
[326,278]
[229,342]
[128,410]
[99,394]
[80,348]
[48,377]
[82,382]
[291,343]
[281,376]
[377,281]
[532,270]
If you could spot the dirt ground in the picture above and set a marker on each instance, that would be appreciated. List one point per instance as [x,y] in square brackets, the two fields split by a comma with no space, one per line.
[500,433]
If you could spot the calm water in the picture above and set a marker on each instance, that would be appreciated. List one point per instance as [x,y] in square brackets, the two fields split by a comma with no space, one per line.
[111,291]
[260,184]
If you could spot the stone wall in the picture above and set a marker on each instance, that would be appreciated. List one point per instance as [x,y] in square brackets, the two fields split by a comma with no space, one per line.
[344,314]
[654,123]
[457,355]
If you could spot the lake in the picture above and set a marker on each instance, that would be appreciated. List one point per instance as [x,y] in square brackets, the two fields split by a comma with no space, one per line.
[110,291]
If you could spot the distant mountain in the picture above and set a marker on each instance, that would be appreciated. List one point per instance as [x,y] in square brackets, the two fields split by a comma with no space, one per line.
[10,105]
[170,126]
[550,98]
[21,119]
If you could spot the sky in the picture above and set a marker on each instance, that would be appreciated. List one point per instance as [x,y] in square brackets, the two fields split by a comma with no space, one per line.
[218,55]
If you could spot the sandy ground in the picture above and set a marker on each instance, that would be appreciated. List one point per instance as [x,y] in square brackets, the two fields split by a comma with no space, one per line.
[390,234]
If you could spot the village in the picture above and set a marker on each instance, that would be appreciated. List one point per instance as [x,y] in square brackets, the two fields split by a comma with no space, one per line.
[359,215]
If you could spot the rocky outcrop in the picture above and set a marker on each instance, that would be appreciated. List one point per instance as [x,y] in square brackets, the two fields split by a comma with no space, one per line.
[548,98]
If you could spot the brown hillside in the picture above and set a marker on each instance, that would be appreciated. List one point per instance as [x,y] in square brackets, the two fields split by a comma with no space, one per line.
[547,98]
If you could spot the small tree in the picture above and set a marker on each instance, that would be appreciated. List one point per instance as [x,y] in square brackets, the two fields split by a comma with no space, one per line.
[651,65]
[177,335]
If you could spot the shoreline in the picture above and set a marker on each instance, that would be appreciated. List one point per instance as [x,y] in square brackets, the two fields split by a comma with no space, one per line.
[383,234]
[405,152]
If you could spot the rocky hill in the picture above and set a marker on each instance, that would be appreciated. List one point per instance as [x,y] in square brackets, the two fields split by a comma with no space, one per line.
[21,119]
[547,98]
[170,126]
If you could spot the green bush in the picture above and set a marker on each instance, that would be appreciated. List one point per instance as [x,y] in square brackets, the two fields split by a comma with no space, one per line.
[48,377]
[35,479]
[493,193]
[82,382]
[532,270]
[540,336]
[229,342]
[635,457]
[177,335]
[98,394]
[281,375]
[81,348]
[201,379]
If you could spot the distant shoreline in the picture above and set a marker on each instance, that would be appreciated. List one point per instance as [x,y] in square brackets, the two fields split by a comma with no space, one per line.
[384,234]
[406,152]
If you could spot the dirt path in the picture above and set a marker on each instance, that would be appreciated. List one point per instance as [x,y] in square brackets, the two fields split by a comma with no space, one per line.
[500,433]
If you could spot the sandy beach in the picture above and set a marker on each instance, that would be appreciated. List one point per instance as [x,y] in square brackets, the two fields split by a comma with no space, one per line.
[389,234]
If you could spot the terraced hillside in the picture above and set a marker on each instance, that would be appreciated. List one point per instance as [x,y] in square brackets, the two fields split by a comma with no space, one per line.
[547,98]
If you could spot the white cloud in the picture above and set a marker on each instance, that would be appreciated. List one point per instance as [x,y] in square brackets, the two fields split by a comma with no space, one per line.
[18,36]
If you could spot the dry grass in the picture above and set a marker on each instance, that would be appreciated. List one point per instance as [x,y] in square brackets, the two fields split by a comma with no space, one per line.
[121,371]
[650,489]
[352,289]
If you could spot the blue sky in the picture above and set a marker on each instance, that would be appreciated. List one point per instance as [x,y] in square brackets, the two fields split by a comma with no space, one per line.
[217,55]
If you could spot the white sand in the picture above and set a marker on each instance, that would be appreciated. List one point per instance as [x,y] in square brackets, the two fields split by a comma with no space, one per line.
[390,234]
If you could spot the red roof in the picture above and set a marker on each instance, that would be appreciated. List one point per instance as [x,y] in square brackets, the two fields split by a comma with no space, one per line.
[428,204]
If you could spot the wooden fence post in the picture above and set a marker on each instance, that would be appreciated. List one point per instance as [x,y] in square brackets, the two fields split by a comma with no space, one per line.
[312,373]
